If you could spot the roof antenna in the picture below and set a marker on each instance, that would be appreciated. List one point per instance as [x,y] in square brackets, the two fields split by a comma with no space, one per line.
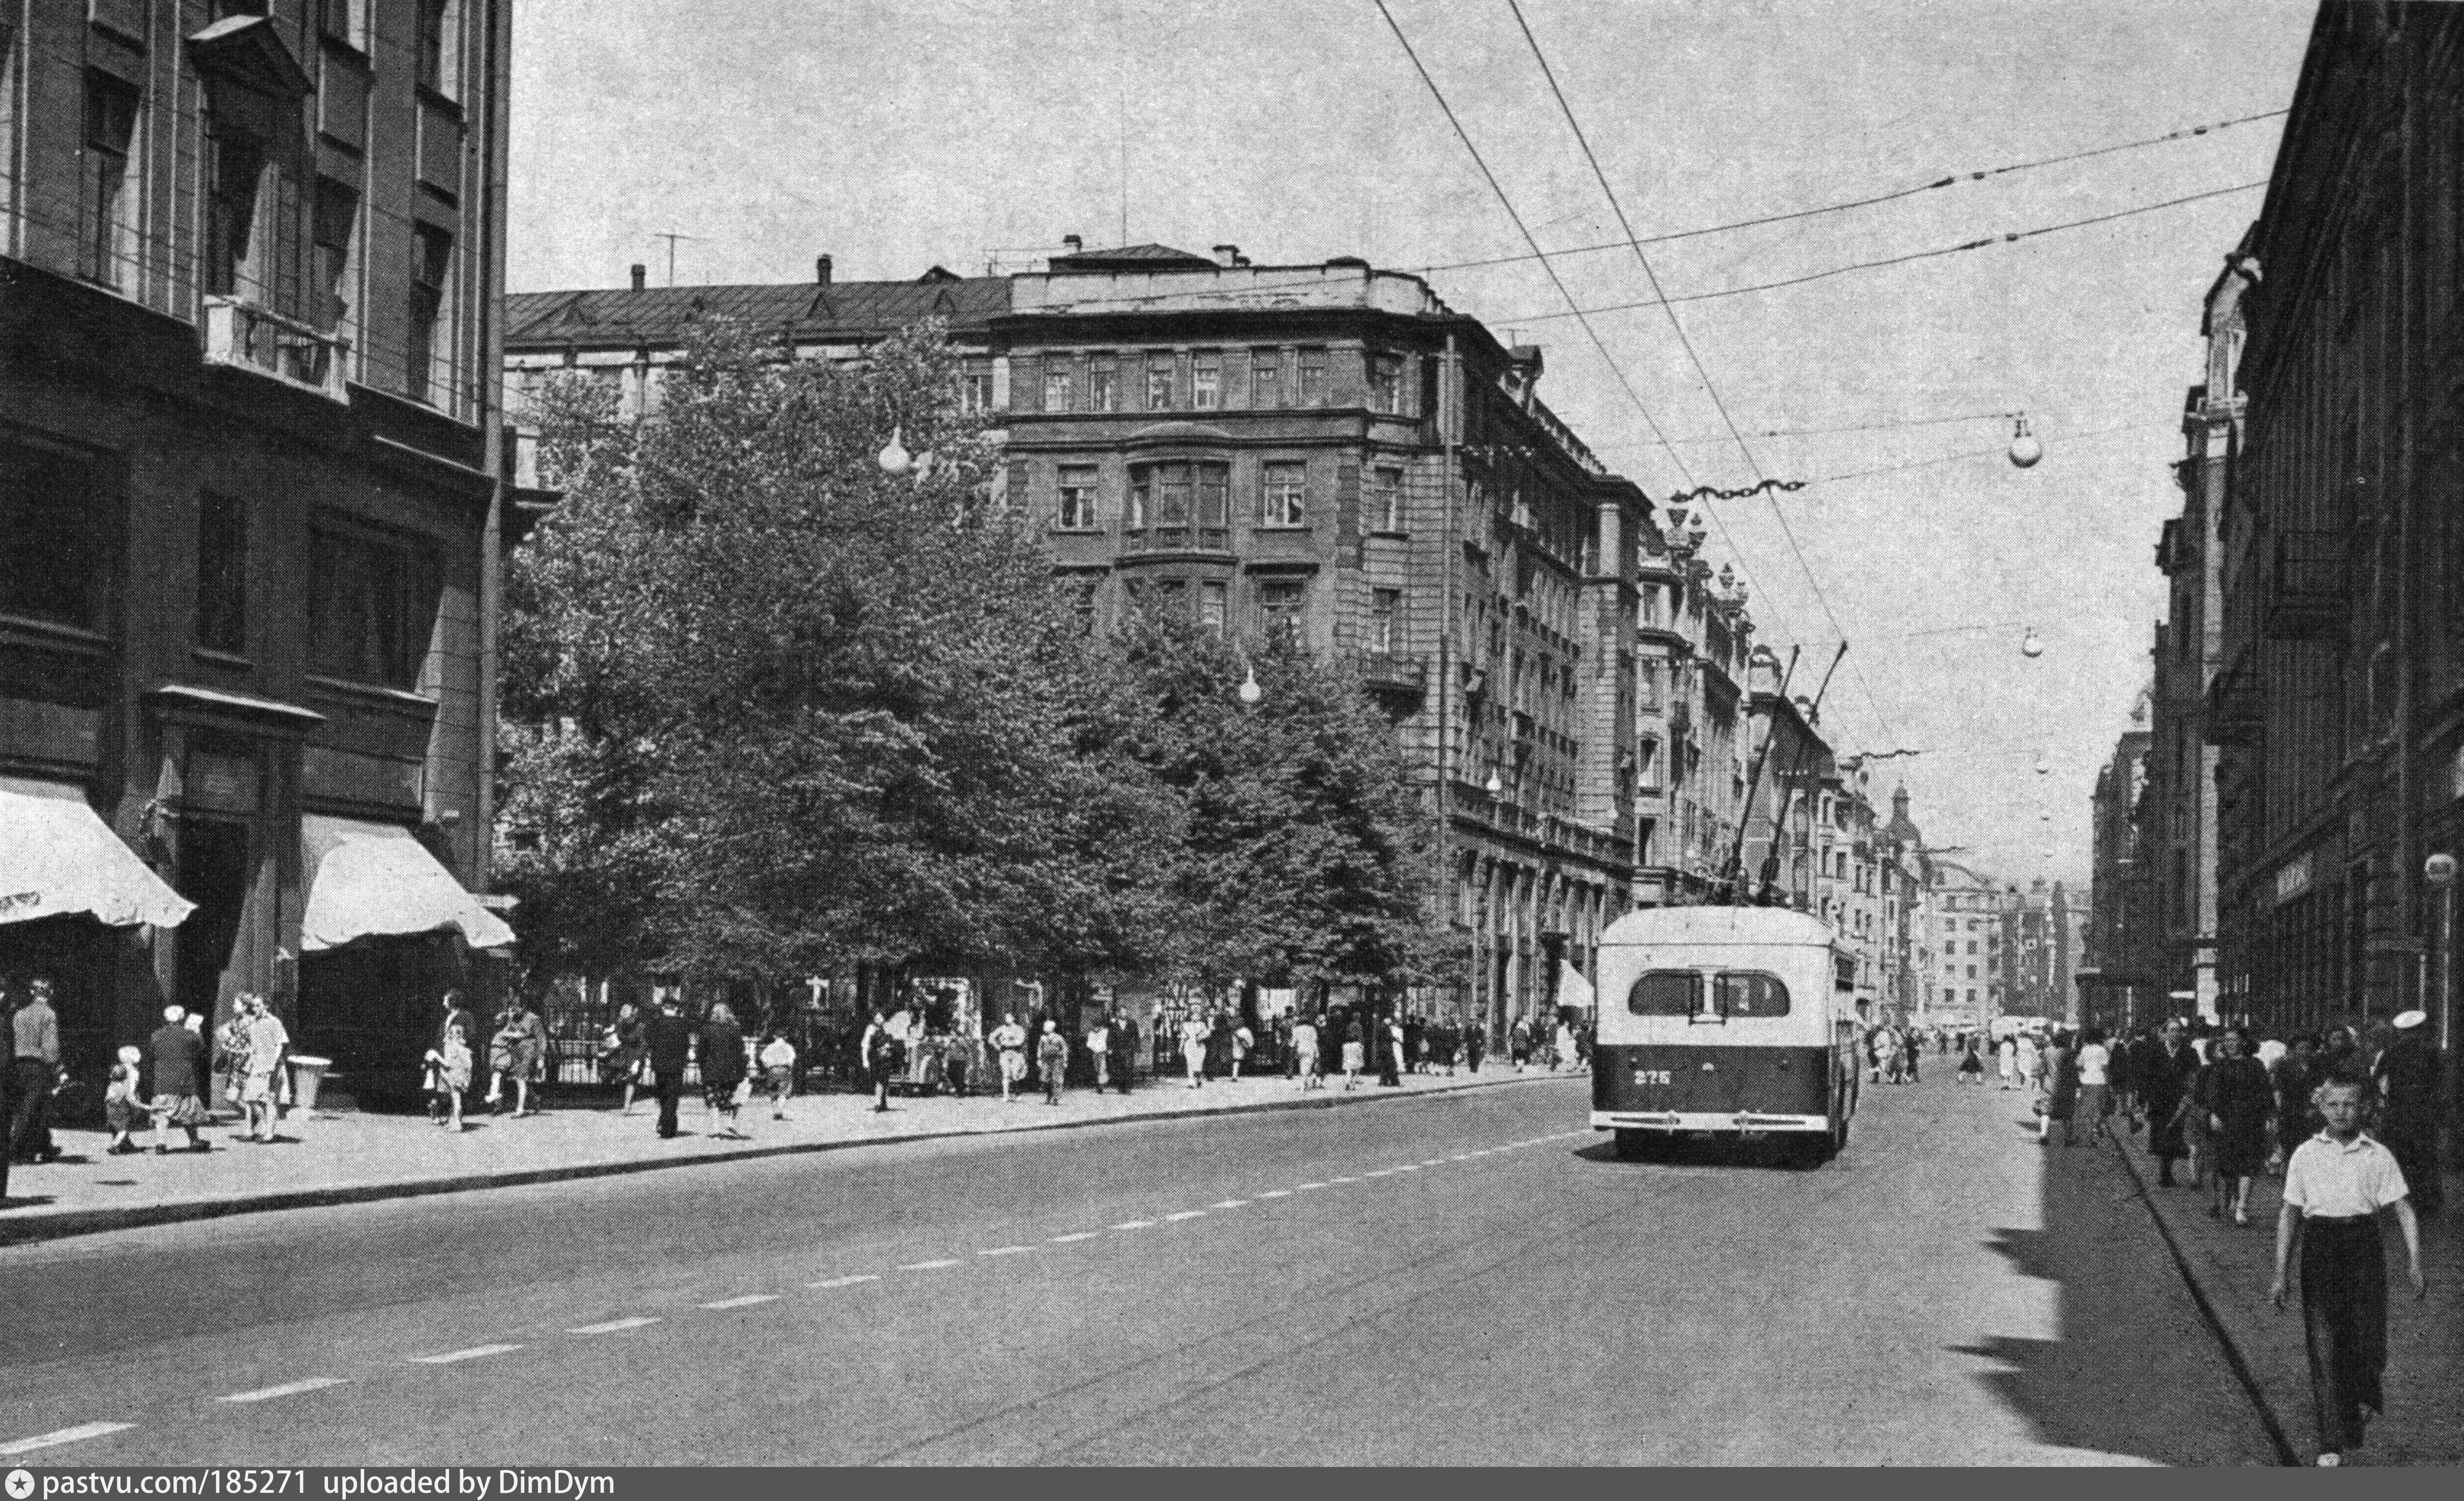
[671,237]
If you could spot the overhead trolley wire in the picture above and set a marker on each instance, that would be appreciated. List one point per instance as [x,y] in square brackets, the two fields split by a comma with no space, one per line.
[2186,133]
[1692,355]
[2008,238]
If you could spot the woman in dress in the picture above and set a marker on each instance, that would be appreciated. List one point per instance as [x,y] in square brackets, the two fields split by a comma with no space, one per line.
[2061,1089]
[453,1067]
[624,1058]
[516,1053]
[1355,1054]
[2235,1095]
[722,1067]
[1972,1065]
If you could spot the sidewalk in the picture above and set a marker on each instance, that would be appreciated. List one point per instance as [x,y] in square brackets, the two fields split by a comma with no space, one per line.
[349,1157]
[2229,1268]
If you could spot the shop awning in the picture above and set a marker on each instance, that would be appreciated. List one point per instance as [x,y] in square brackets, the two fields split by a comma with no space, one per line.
[58,857]
[1574,992]
[372,881]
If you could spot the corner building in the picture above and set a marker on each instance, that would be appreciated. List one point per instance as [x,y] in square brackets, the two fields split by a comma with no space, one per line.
[248,260]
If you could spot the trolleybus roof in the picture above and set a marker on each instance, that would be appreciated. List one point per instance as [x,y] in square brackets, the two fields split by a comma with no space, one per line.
[1716,925]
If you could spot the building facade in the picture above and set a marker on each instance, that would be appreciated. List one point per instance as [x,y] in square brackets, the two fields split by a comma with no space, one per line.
[1325,456]
[2120,983]
[2339,707]
[250,258]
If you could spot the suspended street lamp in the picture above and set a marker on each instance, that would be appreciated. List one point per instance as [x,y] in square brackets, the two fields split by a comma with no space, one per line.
[894,457]
[1250,691]
[2031,645]
[2025,450]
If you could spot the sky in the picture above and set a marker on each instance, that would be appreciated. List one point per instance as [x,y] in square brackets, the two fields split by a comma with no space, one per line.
[899,136]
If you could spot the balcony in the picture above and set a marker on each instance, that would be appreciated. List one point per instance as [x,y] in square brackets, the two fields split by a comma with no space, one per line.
[1395,673]
[1176,539]
[251,337]
[2308,596]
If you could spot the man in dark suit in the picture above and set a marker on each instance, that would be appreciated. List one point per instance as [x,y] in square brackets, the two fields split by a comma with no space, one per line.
[2162,1074]
[668,1040]
[2408,1085]
[1124,1034]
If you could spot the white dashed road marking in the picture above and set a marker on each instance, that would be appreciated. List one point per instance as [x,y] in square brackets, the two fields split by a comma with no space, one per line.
[1185,1214]
[1309,1185]
[1006,1250]
[1375,1172]
[1343,1180]
[1135,1224]
[930,1266]
[475,1353]
[1082,1235]
[44,1441]
[1276,1193]
[1408,1167]
[314,1384]
[746,1301]
[1228,1204]
[844,1282]
[614,1326]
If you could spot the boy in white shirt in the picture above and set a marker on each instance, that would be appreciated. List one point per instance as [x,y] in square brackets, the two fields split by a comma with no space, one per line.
[777,1060]
[2336,1186]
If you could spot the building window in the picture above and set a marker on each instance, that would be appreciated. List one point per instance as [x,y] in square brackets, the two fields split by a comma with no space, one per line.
[1280,603]
[345,21]
[432,263]
[1386,383]
[222,573]
[440,46]
[1159,382]
[335,232]
[1309,390]
[1075,511]
[1385,611]
[1265,378]
[1385,498]
[976,386]
[1172,598]
[1213,605]
[234,171]
[1056,384]
[55,557]
[107,220]
[1104,384]
[372,600]
[1206,381]
[1285,496]
[1172,496]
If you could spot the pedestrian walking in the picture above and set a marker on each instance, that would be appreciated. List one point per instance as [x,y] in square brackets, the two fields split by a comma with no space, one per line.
[175,1076]
[2340,1186]
[516,1051]
[2235,1095]
[1052,1054]
[2165,1077]
[669,1037]
[1564,1056]
[1125,1051]
[122,1104]
[1475,1045]
[1099,1050]
[1518,1043]
[777,1060]
[1009,1040]
[620,1056]
[1390,1061]
[1193,1049]
[1305,1053]
[1972,1066]
[2061,1090]
[35,1071]
[2408,1078]
[267,1043]
[2094,1061]
[725,1080]
[1243,1040]
[879,1057]
[1353,1058]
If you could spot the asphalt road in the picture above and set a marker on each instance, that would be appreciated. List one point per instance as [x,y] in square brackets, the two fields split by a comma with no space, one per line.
[1465,1279]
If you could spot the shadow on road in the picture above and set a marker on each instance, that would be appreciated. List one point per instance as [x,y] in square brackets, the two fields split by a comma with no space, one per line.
[1766,1155]
[2133,1370]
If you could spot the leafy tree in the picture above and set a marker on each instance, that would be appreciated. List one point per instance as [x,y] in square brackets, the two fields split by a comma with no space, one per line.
[802,713]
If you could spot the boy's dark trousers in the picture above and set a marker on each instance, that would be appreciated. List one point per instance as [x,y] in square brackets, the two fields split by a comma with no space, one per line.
[2343,1316]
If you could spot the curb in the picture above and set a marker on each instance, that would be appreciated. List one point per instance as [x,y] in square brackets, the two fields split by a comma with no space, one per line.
[2239,1364]
[93,1222]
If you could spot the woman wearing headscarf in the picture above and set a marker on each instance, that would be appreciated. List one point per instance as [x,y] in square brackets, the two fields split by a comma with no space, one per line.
[722,1067]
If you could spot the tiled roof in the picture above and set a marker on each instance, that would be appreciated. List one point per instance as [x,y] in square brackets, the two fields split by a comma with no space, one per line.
[1128,258]
[811,310]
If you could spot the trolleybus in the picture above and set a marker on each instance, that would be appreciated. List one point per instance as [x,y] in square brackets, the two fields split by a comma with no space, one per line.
[1733,1022]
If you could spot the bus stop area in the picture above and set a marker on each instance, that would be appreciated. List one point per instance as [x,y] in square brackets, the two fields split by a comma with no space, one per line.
[347,1154]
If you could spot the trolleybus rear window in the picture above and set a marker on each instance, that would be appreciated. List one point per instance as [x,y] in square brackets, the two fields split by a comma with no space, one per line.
[1665,992]
[1749,992]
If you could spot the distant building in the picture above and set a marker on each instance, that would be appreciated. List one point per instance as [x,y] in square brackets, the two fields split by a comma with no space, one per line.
[249,501]
[1966,913]
[2120,977]
[1325,456]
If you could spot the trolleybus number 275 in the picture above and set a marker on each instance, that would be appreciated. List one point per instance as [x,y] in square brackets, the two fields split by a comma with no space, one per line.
[1658,1076]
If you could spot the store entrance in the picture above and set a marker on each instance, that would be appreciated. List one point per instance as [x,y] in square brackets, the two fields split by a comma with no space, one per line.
[214,874]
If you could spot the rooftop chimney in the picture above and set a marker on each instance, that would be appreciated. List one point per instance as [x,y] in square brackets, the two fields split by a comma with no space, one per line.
[822,271]
[1072,244]
[1229,255]
[640,270]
